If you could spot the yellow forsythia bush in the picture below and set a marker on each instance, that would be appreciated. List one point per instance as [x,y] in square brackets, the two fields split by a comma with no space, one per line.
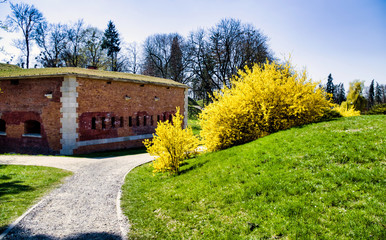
[171,144]
[262,100]
[347,110]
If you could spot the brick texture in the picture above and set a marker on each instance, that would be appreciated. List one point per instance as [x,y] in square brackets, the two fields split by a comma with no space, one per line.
[118,101]
[27,101]
[116,104]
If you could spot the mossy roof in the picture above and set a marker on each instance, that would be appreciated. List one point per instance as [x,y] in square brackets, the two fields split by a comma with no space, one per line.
[86,73]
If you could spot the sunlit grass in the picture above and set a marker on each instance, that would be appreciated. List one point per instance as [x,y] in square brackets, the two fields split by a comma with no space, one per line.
[320,181]
[22,186]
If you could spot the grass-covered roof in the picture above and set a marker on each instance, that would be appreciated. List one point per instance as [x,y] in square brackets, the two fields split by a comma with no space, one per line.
[18,73]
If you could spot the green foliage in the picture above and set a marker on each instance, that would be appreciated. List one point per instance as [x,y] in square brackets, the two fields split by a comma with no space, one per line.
[377,109]
[354,96]
[330,114]
[370,96]
[111,42]
[263,100]
[8,67]
[171,144]
[195,125]
[319,181]
[194,109]
[22,186]
[330,87]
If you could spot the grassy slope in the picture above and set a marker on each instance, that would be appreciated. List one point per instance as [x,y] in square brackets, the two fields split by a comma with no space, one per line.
[323,181]
[194,124]
[22,186]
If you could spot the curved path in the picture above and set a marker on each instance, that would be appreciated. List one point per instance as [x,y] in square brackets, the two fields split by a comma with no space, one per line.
[85,206]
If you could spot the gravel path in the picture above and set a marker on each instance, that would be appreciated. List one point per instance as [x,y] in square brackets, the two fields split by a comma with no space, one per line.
[85,206]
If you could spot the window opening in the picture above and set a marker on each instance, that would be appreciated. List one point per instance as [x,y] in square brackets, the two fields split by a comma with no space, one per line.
[103,123]
[113,122]
[14,82]
[121,122]
[93,123]
[137,121]
[151,121]
[2,126]
[170,118]
[164,117]
[130,121]
[158,118]
[144,120]
[32,127]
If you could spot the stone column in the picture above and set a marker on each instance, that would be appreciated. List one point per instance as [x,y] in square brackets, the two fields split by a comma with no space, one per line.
[69,115]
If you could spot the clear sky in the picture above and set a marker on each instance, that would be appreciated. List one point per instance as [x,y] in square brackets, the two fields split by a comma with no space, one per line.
[346,38]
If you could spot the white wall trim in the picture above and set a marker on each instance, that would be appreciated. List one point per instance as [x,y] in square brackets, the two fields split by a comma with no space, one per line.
[69,115]
[113,140]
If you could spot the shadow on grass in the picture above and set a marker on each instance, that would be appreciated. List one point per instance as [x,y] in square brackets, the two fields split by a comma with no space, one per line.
[197,165]
[21,233]
[108,154]
[14,187]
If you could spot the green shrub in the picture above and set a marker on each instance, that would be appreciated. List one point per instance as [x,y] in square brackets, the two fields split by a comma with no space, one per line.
[377,110]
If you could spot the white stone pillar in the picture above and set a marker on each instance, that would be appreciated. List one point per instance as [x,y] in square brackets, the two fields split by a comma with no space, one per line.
[69,115]
[186,109]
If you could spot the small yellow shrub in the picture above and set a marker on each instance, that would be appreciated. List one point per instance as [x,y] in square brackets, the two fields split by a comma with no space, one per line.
[172,144]
[261,101]
[347,110]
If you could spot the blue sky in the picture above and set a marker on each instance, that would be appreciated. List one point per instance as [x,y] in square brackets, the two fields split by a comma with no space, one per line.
[346,38]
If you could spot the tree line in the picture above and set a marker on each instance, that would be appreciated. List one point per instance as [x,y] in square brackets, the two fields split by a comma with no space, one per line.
[366,97]
[206,59]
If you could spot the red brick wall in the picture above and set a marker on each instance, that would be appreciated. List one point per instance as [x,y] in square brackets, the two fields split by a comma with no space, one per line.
[26,101]
[100,98]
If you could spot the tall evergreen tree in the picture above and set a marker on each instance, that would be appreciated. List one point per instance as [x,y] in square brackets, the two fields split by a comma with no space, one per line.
[111,42]
[339,93]
[370,100]
[378,94]
[330,85]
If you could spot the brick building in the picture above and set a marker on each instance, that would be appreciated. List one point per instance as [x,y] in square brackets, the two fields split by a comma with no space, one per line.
[72,110]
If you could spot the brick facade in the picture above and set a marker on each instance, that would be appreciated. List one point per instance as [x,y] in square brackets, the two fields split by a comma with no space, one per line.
[79,114]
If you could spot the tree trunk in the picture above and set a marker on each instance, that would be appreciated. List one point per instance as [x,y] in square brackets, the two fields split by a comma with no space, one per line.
[27,46]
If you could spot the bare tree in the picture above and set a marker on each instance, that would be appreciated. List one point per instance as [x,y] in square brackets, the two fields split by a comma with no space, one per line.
[73,54]
[93,47]
[201,65]
[52,40]
[235,45]
[133,58]
[26,18]
[166,56]
[157,55]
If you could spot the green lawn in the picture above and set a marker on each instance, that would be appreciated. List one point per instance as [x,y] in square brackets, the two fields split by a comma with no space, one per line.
[22,186]
[194,124]
[321,181]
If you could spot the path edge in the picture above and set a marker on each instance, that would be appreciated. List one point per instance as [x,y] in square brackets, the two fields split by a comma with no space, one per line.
[124,223]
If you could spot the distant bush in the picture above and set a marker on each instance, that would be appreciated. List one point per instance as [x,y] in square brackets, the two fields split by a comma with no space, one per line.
[171,144]
[377,109]
[329,114]
[347,110]
[263,100]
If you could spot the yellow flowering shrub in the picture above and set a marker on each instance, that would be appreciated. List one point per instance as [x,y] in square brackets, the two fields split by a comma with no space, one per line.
[262,100]
[347,110]
[171,144]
